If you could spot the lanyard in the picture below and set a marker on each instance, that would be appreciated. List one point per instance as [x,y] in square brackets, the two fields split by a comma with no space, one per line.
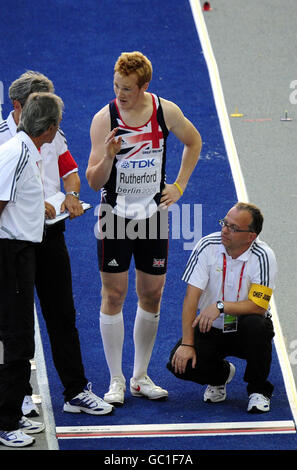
[224,277]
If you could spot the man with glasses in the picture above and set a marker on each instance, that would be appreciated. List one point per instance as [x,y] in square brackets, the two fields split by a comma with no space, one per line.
[231,276]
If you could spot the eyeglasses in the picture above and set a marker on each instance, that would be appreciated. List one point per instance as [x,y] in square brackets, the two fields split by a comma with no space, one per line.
[232,228]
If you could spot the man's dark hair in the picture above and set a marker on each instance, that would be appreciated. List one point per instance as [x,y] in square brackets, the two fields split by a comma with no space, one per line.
[257,217]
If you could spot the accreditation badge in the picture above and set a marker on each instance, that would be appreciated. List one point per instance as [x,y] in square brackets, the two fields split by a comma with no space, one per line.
[230,323]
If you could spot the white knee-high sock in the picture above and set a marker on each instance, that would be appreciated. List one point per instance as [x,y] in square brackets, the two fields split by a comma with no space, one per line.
[145,331]
[112,333]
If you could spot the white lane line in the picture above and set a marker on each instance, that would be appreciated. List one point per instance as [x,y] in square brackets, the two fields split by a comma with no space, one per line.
[176,430]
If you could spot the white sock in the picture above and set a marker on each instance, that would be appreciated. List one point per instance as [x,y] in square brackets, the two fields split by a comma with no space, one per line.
[145,331]
[112,333]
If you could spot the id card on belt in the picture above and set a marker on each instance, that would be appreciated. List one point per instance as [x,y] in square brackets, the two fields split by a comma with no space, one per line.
[230,323]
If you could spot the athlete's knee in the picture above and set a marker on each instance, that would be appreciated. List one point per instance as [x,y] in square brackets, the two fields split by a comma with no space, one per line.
[252,328]
[114,296]
[150,297]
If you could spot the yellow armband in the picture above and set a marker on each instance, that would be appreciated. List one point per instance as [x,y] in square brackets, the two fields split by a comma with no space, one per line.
[260,295]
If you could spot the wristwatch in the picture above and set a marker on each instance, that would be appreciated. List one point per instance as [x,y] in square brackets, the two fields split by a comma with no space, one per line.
[73,193]
[220,306]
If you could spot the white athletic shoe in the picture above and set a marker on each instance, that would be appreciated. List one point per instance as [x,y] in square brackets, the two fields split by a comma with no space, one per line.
[258,403]
[15,438]
[87,402]
[217,393]
[30,426]
[116,391]
[145,387]
[29,408]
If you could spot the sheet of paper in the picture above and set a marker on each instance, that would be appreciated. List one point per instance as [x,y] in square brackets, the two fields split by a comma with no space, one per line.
[56,201]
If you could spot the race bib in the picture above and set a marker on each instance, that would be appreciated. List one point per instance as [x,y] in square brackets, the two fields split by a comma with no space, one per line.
[138,177]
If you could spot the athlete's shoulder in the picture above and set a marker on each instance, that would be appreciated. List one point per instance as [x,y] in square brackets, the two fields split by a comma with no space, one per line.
[4,132]
[100,125]
[103,115]
[173,115]
[261,248]
[263,262]
[169,106]
[12,149]
[3,124]
[210,242]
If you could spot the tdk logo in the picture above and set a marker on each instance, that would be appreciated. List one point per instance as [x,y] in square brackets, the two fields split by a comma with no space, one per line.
[138,163]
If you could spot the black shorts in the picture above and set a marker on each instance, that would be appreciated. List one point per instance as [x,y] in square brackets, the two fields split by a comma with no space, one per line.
[145,239]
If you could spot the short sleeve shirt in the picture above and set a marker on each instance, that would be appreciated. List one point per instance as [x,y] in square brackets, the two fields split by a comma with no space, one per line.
[205,271]
[21,186]
[57,161]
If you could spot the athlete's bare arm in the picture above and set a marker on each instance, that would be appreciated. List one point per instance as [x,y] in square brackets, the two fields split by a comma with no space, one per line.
[184,130]
[105,146]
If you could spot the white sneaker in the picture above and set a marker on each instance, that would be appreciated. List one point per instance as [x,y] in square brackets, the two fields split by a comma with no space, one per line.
[87,402]
[145,387]
[30,426]
[116,391]
[258,403]
[29,408]
[15,438]
[217,393]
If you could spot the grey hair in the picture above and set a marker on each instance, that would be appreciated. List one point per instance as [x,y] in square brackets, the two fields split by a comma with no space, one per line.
[29,82]
[41,110]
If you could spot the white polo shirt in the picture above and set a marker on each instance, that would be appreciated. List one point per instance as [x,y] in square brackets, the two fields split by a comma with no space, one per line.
[204,270]
[21,185]
[57,161]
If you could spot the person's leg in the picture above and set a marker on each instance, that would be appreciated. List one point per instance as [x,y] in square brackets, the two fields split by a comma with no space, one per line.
[149,290]
[54,289]
[114,255]
[114,290]
[150,254]
[255,333]
[17,272]
[211,367]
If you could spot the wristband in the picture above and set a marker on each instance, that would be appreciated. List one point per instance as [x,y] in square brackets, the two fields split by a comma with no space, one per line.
[189,345]
[179,188]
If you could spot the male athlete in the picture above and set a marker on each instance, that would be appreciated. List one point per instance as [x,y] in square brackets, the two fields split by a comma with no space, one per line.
[127,162]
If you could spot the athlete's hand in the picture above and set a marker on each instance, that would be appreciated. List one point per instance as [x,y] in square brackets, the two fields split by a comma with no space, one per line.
[182,355]
[50,211]
[170,195]
[112,144]
[73,205]
[206,318]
